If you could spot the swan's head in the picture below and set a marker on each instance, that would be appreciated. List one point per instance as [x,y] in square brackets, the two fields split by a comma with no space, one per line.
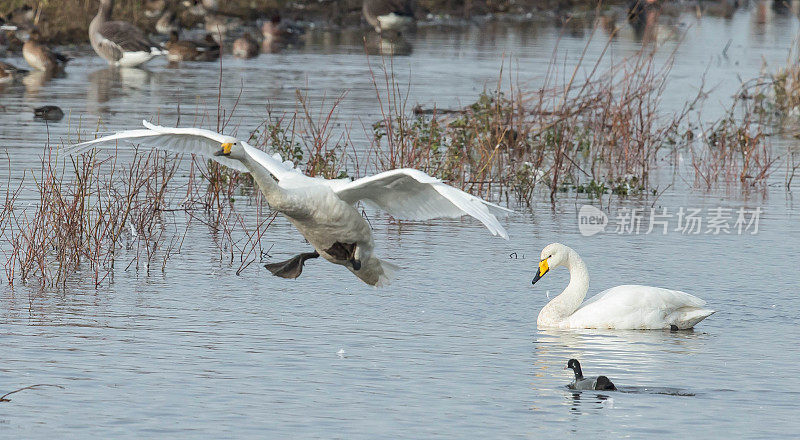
[553,255]
[575,366]
[231,147]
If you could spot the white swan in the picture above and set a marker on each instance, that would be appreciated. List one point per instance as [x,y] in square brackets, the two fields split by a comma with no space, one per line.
[621,307]
[321,209]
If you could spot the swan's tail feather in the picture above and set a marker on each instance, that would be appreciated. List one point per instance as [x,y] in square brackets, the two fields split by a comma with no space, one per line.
[688,317]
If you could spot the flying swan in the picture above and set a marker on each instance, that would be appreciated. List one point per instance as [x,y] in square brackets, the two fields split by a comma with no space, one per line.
[322,209]
[621,307]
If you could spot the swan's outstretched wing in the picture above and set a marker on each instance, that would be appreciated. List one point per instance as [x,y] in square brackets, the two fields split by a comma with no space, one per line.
[190,140]
[411,194]
[178,140]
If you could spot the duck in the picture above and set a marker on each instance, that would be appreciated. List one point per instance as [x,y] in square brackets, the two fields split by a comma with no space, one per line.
[9,40]
[154,8]
[41,57]
[168,23]
[323,210]
[627,307]
[9,73]
[220,25]
[388,15]
[181,50]
[277,31]
[245,46]
[119,42]
[600,383]
[48,113]
[24,16]
[209,49]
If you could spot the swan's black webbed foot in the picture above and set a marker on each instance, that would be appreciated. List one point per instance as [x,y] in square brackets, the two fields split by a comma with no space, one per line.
[291,268]
[346,252]
[673,328]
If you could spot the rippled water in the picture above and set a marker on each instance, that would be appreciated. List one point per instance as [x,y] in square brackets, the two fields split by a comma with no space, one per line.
[451,349]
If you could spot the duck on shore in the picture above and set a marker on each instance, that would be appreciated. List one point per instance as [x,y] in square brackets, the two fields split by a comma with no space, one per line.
[181,50]
[10,73]
[245,46]
[168,23]
[209,49]
[154,8]
[41,57]
[278,31]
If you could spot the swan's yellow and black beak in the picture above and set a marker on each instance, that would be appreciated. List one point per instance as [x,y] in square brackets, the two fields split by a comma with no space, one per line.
[543,269]
[225,149]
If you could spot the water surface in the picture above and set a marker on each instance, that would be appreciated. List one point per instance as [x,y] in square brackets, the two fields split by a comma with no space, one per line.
[451,349]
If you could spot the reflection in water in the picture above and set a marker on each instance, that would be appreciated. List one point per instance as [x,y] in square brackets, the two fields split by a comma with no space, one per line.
[388,44]
[112,83]
[580,400]
[620,341]
[35,80]
[666,391]
[652,24]
[583,400]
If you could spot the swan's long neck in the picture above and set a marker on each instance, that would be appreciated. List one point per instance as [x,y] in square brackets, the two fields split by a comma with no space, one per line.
[571,298]
[268,185]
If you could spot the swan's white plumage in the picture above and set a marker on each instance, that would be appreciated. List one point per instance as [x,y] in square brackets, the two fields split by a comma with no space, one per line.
[622,307]
[414,195]
[322,209]
[638,307]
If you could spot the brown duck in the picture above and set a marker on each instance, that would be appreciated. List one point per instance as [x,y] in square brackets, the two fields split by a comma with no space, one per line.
[41,57]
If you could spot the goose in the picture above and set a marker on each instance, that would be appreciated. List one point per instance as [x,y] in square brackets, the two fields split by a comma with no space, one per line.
[39,56]
[388,15]
[622,307]
[119,42]
[322,210]
[9,73]
[245,46]
[587,383]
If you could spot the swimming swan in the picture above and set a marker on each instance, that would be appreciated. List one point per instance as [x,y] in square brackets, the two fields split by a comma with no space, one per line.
[321,209]
[621,307]
[587,383]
